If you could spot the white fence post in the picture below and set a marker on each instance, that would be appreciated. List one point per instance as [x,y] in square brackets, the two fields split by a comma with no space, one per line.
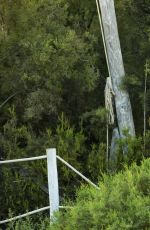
[52,181]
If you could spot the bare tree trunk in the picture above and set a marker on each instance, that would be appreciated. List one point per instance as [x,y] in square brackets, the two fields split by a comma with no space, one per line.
[145,94]
[113,150]
[116,67]
[115,138]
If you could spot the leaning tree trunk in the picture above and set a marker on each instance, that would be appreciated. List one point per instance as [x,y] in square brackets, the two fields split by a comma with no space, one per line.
[116,67]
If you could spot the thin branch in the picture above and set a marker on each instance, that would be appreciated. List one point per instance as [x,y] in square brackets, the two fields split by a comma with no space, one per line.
[145,94]
[7,100]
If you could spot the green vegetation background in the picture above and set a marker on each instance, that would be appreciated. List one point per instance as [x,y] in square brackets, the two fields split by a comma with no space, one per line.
[121,203]
[53,65]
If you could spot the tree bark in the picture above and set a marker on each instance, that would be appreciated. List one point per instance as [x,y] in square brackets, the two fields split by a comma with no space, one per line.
[115,138]
[116,67]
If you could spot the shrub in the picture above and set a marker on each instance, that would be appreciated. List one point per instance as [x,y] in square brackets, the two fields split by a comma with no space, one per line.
[30,223]
[121,203]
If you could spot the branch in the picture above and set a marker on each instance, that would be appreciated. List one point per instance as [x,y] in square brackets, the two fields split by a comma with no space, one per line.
[7,100]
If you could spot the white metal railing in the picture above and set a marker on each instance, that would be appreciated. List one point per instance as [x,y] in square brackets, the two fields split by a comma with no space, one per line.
[23,159]
[77,172]
[31,213]
[53,187]
[24,215]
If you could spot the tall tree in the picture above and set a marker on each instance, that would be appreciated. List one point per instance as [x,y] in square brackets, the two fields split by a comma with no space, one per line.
[116,67]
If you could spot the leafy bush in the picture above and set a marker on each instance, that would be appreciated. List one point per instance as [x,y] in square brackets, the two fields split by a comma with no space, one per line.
[21,189]
[30,223]
[121,203]
[129,150]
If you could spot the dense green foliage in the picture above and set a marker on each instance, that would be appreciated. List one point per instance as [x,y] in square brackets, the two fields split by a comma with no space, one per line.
[121,203]
[52,80]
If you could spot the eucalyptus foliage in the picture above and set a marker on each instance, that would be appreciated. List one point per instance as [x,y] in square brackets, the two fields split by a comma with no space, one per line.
[52,80]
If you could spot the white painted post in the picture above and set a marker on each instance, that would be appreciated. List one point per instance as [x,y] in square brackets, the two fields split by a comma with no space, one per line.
[52,181]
